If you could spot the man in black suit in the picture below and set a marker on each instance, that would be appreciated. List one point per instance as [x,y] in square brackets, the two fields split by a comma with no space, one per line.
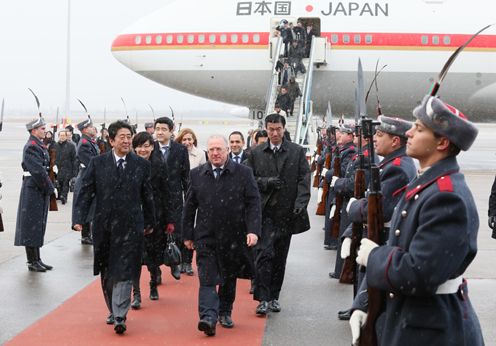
[176,157]
[119,181]
[224,199]
[283,177]
[236,144]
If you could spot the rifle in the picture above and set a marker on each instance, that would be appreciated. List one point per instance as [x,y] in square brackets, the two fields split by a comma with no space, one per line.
[349,274]
[336,218]
[375,226]
[325,185]
[314,167]
[51,174]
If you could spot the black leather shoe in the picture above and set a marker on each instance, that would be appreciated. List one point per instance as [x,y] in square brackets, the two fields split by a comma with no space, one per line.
[159,277]
[119,325]
[188,269]
[136,304]
[207,327]
[63,200]
[110,319]
[274,306]
[182,266]
[262,308]
[330,247]
[36,267]
[86,241]
[226,321]
[333,275]
[153,291]
[344,315]
[175,272]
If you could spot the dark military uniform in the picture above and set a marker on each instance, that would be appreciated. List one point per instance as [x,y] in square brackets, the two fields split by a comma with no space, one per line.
[86,150]
[432,241]
[35,198]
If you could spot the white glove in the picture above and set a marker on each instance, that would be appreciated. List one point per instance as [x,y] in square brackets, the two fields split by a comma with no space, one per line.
[366,246]
[357,320]
[320,193]
[316,158]
[55,169]
[333,180]
[352,199]
[333,210]
[346,248]
[55,192]
[324,171]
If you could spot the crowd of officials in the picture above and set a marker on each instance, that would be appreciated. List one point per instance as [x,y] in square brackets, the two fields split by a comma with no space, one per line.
[403,239]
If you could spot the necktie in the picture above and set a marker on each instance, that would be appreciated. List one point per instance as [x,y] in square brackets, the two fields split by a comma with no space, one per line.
[120,167]
[236,158]
[276,149]
[218,172]
[166,152]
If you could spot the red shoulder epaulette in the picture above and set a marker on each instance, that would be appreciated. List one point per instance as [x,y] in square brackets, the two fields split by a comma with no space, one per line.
[397,161]
[445,184]
[84,140]
[33,142]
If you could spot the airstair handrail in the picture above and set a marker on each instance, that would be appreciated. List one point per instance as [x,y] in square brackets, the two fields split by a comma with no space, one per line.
[269,94]
[303,114]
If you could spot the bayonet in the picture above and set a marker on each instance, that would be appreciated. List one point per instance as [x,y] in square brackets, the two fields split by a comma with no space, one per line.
[1,115]
[153,112]
[125,108]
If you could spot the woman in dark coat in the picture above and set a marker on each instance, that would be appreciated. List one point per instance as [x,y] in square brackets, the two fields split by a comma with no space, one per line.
[155,241]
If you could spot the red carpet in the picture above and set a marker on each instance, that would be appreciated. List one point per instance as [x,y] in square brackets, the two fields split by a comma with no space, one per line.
[171,320]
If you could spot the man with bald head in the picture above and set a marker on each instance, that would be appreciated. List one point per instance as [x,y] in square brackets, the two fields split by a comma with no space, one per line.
[221,221]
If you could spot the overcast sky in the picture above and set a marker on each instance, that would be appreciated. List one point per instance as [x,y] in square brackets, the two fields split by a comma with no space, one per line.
[33,54]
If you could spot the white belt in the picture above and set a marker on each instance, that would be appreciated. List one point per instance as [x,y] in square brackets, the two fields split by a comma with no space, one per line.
[26,174]
[450,286]
[387,224]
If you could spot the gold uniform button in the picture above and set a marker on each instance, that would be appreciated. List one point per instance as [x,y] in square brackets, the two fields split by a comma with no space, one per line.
[403,213]
[391,295]
[397,233]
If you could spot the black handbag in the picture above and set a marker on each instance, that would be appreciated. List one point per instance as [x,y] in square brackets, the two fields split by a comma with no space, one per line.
[171,254]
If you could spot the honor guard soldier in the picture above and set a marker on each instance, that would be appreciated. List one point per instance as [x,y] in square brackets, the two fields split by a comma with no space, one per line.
[87,149]
[433,239]
[396,171]
[35,196]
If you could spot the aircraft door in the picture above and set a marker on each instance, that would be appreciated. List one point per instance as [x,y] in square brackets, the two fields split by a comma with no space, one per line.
[276,24]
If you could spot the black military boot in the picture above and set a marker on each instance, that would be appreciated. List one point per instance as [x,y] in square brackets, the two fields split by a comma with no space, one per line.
[33,264]
[46,266]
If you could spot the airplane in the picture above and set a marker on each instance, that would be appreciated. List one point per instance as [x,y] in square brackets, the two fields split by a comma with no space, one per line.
[222,50]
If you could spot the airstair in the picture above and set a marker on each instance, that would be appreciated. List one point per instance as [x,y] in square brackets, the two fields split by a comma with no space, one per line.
[299,124]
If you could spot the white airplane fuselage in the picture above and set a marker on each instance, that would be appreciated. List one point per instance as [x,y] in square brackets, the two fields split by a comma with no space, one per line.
[219,49]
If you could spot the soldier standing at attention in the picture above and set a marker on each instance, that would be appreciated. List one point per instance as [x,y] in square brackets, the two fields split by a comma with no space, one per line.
[433,239]
[87,148]
[36,189]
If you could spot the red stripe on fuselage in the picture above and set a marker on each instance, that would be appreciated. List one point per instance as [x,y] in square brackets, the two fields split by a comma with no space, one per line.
[353,40]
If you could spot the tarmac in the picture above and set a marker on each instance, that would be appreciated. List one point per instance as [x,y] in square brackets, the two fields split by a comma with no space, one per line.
[309,299]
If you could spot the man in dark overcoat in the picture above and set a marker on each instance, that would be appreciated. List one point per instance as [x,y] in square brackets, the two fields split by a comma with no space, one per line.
[433,239]
[224,198]
[176,157]
[66,163]
[119,181]
[36,189]
[283,177]
[87,148]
